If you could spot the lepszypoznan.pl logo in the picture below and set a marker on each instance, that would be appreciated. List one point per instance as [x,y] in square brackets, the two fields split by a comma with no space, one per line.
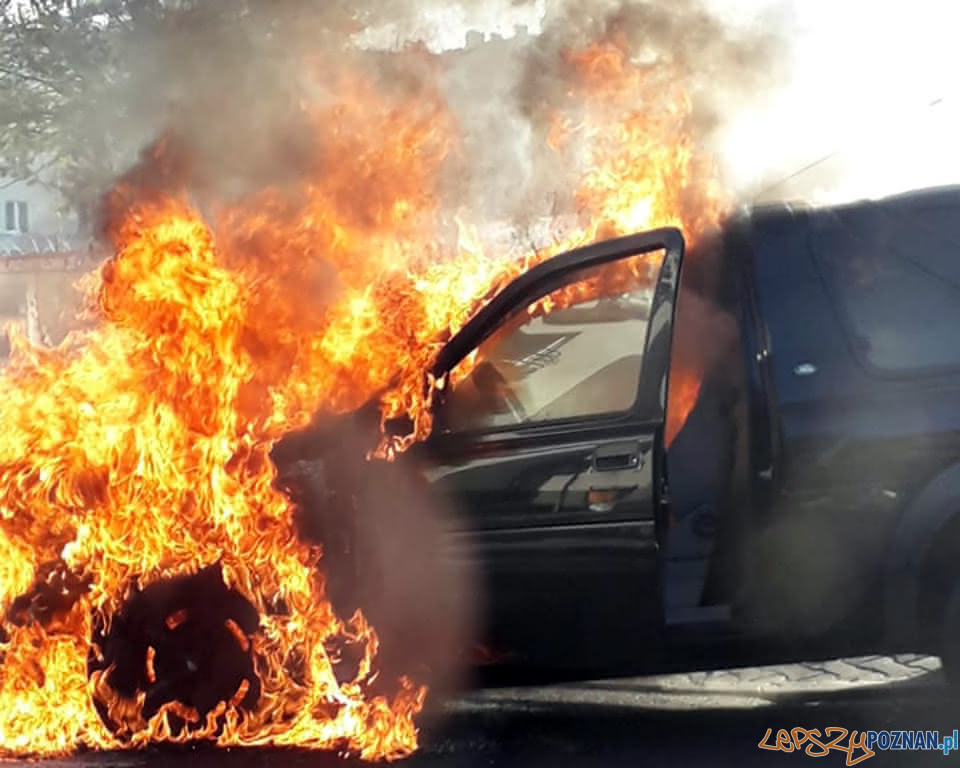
[856,746]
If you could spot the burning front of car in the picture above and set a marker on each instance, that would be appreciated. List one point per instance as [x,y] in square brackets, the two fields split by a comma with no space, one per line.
[156,584]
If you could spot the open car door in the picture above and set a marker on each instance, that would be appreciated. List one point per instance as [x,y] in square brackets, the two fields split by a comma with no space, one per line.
[550,444]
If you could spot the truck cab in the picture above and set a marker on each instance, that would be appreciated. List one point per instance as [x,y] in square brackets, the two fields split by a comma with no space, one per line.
[745,453]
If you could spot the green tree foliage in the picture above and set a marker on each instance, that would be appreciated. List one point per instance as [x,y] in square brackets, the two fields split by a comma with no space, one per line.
[65,90]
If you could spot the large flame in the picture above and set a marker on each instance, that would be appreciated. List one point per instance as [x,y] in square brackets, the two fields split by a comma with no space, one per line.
[139,450]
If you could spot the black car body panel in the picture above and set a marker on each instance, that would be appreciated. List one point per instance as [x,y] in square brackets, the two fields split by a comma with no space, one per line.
[840,447]
[815,485]
[560,511]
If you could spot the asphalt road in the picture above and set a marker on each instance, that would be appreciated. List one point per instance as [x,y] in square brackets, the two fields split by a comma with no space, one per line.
[701,719]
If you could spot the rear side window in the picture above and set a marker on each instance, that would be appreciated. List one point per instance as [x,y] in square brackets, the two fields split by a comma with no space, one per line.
[894,274]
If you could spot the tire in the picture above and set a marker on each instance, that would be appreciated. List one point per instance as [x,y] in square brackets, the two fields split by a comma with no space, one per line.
[195,659]
[938,604]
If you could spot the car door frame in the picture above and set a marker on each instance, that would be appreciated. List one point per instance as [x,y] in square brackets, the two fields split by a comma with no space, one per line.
[647,416]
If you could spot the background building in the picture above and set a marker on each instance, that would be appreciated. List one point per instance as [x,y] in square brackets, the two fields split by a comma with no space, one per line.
[42,254]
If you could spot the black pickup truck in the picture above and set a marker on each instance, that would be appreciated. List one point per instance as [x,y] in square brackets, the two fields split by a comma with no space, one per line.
[807,506]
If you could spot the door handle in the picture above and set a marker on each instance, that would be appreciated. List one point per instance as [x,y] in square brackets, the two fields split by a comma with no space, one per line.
[617,456]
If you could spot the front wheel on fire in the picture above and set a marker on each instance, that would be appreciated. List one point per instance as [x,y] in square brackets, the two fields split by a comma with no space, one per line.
[187,646]
[182,645]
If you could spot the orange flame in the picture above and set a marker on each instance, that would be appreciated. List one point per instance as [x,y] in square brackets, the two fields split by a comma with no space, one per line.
[139,450]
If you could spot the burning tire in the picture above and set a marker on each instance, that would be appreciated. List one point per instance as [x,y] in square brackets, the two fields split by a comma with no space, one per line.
[183,643]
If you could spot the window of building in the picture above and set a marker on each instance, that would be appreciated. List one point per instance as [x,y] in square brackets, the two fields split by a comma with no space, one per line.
[16,216]
[895,277]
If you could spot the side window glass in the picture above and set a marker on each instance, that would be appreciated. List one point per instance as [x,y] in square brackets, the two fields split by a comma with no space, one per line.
[575,353]
[896,280]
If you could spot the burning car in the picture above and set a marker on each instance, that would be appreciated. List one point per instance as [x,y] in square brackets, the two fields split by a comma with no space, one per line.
[808,508]
[303,439]
[541,467]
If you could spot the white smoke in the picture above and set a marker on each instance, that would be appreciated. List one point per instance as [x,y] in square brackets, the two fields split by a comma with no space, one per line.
[863,102]
[871,106]
[236,92]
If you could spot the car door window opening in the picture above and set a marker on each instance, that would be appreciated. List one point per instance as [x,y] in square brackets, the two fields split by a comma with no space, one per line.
[571,354]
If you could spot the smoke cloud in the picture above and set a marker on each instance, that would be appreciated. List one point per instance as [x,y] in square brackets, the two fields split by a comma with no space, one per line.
[677,40]
[239,89]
